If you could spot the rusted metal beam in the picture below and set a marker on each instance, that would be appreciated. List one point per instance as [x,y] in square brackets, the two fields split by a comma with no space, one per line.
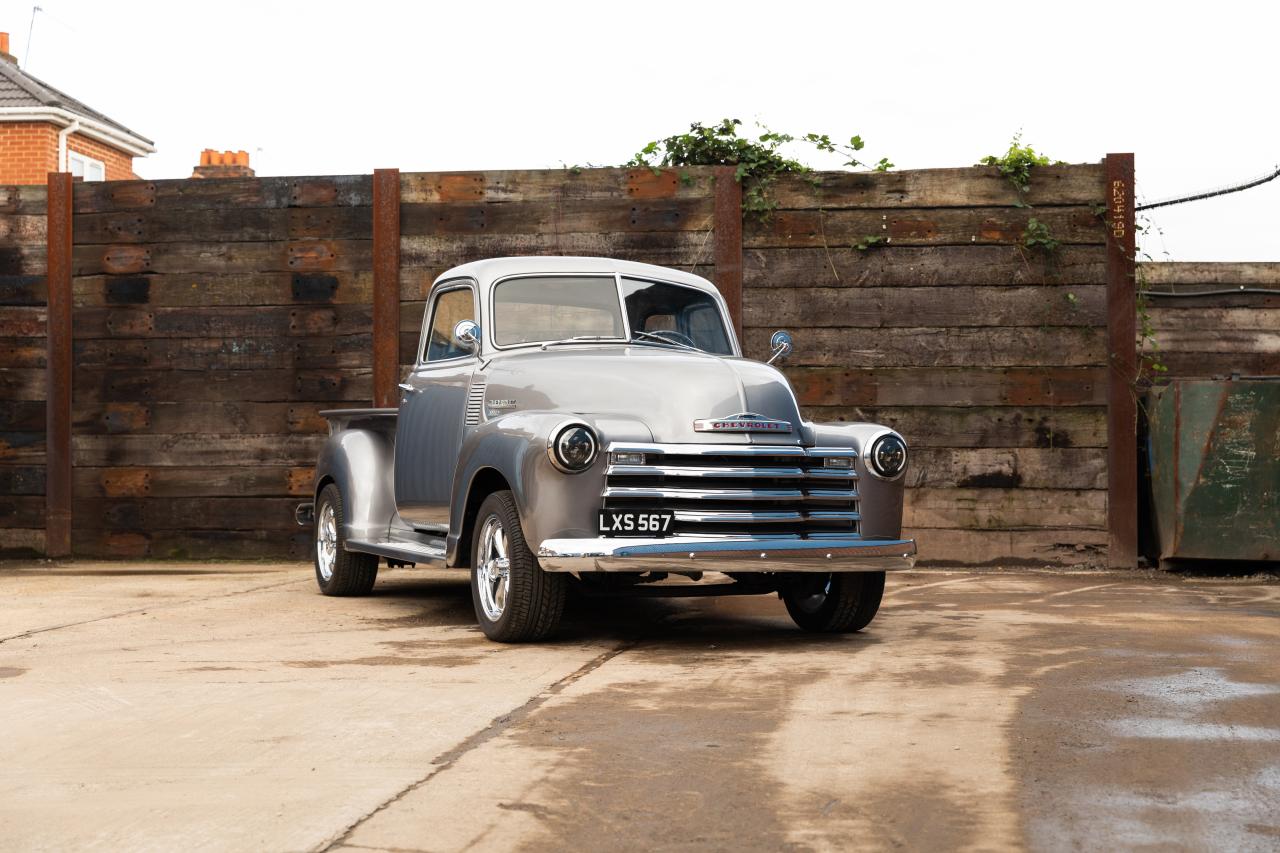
[728,242]
[1122,373]
[58,368]
[386,285]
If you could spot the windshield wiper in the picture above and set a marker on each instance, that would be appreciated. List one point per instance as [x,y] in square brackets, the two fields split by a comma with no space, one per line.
[580,338]
[649,336]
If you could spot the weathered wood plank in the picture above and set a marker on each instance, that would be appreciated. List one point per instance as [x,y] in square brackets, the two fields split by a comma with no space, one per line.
[22,447]
[22,383]
[669,248]
[23,321]
[841,230]
[936,426]
[22,415]
[1047,346]
[23,289]
[186,513]
[1008,468]
[227,481]
[23,199]
[21,542]
[1064,386]
[186,451]
[194,544]
[22,352]
[1066,547]
[1005,509]
[342,385]
[642,184]
[1212,319]
[251,257]
[808,307]
[221,193]
[922,266]
[970,186]
[21,511]
[212,290]
[222,322]
[226,224]
[200,417]
[22,229]
[1209,364]
[561,216]
[21,480]
[269,353]
[23,259]
[1217,273]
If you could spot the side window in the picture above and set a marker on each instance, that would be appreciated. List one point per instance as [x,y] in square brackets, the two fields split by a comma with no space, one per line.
[450,308]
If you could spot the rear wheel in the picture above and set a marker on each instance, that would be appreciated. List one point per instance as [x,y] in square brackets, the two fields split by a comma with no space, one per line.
[834,603]
[339,571]
[515,600]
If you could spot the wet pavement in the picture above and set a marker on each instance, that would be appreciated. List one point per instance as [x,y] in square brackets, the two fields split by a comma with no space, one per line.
[164,706]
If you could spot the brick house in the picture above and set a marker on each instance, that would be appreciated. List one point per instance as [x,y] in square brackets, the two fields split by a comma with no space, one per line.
[43,130]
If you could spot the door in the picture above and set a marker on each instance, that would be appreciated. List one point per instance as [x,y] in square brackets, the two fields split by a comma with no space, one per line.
[433,403]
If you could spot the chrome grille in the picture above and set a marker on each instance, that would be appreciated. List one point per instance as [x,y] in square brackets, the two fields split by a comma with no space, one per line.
[736,490]
[475,402]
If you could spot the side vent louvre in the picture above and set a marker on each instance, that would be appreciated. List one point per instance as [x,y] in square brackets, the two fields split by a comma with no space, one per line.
[475,402]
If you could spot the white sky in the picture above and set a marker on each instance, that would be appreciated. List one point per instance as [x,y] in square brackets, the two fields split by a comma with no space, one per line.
[333,87]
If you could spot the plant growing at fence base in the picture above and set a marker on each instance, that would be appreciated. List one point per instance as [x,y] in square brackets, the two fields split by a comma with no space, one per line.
[870,242]
[758,161]
[1037,237]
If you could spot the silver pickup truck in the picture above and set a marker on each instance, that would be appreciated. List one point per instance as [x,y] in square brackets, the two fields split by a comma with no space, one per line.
[593,421]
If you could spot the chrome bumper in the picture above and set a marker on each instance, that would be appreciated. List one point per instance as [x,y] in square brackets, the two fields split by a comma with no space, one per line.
[690,554]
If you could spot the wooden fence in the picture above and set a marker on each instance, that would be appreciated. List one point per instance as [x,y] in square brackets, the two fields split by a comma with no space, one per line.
[213,319]
[1215,319]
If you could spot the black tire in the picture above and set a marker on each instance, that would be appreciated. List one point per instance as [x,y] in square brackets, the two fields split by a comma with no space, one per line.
[532,600]
[353,573]
[835,603]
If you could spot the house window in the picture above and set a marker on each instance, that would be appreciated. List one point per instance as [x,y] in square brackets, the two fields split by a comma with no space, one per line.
[86,167]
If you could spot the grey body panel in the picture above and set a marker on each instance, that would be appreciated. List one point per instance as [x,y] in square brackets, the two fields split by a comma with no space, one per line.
[429,458]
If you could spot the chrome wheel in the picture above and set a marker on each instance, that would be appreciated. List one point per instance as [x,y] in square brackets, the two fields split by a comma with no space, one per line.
[493,568]
[326,541]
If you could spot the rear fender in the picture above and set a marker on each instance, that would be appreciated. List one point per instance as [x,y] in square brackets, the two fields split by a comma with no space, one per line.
[361,463]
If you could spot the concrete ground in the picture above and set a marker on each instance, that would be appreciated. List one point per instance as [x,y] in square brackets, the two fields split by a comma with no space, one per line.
[193,707]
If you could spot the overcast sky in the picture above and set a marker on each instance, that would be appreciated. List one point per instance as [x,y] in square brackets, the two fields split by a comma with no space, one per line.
[342,87]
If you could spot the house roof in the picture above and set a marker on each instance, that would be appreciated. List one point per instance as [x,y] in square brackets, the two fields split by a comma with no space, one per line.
[20,89]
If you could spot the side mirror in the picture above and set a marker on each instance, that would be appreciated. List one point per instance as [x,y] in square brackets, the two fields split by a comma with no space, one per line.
[781,344]
[467,335]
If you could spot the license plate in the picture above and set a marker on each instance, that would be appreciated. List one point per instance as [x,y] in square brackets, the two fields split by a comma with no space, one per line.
[637,522]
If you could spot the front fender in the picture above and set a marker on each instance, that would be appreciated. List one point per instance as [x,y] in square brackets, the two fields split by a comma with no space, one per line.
[550,502]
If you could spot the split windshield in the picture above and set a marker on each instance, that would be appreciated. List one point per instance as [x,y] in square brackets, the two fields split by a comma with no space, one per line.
[543,309]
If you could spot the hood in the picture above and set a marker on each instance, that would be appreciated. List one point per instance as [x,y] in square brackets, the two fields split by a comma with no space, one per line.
[665,389]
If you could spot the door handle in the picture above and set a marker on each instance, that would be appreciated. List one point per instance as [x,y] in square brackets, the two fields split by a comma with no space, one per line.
[405,386]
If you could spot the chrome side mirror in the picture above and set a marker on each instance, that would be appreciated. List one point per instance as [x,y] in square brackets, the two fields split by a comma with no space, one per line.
[781,344]
[467,335]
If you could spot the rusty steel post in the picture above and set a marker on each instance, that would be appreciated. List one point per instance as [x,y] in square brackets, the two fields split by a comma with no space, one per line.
[386,286]
[728,243]
[58,367]
[1122,361]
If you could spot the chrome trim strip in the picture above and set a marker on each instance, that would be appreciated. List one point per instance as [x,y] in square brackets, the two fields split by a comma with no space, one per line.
[729,517]
[680,553]
[641,492]
[683,471]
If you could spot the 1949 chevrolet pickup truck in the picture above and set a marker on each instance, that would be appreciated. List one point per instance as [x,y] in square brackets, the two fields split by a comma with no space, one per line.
[592,419]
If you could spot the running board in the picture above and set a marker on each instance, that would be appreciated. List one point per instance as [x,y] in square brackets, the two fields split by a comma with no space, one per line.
[429,553]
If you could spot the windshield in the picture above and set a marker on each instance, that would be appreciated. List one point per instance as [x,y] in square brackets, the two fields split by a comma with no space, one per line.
[680,315]
[543,309]
[554,308]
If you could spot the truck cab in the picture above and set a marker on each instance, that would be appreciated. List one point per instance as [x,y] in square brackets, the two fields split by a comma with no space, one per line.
[593,421]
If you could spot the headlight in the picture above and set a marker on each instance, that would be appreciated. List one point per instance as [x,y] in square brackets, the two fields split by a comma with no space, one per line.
[887,457]
[573,448]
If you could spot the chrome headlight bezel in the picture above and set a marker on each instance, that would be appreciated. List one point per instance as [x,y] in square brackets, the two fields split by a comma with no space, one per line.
[877,442]
[555,449]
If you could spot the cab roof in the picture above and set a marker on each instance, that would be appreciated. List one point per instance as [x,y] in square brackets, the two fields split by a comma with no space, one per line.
[488,271]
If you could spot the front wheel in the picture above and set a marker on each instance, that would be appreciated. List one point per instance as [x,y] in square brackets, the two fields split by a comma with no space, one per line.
[834,603]
[515,600]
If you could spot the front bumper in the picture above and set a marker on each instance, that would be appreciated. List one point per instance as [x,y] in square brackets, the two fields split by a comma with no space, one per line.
[690,554]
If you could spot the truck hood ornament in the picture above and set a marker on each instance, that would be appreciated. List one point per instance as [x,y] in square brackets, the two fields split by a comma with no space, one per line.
[741,422]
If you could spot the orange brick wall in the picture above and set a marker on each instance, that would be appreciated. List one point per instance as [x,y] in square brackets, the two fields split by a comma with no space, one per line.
[29,151]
